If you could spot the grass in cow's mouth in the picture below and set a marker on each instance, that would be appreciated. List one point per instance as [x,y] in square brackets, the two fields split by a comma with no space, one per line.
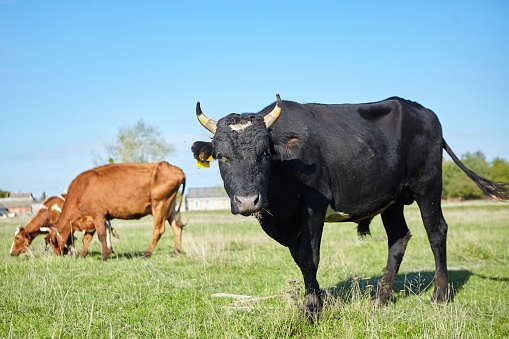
[171,297]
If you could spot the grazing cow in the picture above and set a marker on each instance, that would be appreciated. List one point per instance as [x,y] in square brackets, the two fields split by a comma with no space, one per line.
[40,224]
[122,191]
[317,163]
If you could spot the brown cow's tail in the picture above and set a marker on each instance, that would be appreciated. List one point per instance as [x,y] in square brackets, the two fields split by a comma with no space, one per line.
[179,219]
[495,190]
[182,194]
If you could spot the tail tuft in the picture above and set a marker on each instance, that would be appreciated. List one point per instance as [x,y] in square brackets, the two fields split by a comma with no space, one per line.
[495,190]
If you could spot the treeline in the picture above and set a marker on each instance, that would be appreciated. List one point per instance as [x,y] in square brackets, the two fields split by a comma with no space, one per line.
[456,184]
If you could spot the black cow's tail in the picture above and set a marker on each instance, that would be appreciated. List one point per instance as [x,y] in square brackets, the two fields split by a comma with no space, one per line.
[495,190]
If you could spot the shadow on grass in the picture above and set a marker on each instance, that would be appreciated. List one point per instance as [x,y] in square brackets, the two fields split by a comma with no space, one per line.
[116,255]
[414,283]
[482,276]
[127,255]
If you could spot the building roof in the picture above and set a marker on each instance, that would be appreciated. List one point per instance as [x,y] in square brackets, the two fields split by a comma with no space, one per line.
[206,192]
[21,195]
[17,200]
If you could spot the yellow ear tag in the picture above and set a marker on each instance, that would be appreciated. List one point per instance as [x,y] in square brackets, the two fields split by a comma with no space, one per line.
[204,164]
[200,164]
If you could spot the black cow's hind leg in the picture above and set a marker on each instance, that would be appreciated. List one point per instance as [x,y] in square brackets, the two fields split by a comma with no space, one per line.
[398,236]
[436,228]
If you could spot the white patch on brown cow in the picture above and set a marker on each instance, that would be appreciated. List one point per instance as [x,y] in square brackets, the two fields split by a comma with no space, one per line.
[56,208]
[108,234]
[241,127]
[15,234]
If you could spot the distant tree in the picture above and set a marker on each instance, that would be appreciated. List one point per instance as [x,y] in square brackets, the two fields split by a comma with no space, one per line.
[43,196]
[139,143]
[500,170]
[449,174]
[477,163]
[4,194]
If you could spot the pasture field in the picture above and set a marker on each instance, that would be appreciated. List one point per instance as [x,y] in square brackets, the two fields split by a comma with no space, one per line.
[45,296]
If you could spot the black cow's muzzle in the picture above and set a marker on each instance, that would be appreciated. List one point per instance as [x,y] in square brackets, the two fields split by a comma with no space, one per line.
[246,204]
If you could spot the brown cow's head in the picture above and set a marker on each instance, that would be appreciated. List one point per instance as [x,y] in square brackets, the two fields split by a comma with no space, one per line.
[41,222]
[22,240]
[243,148]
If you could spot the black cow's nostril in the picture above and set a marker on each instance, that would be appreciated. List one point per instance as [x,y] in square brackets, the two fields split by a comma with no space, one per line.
[247,204]
[238,200]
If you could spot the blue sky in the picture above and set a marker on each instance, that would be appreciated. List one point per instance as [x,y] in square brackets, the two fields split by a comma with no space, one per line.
[73,72]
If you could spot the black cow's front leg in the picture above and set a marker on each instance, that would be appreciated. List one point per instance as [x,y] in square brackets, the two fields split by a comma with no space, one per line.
[305,250]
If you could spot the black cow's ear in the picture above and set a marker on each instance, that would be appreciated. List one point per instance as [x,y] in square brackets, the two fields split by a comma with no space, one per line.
[203,151]
[287,146]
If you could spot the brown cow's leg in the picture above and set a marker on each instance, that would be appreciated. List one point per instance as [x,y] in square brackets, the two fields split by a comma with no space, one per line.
[99,223]
[109,232]
[159,228]
[62,238]
[87,238]
[177,226]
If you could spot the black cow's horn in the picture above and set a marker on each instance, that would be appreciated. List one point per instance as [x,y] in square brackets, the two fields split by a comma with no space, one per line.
[209,124]
[272,116]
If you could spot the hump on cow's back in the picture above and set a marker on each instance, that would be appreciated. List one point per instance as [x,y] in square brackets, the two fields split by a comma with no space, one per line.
[379,109]
[165,171]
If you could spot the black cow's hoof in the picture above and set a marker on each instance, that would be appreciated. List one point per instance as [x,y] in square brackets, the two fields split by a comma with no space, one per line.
[384,297]
[441,295]
[313,305]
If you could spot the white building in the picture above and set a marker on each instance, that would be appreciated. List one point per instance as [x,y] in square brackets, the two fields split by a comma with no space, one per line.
[207,199]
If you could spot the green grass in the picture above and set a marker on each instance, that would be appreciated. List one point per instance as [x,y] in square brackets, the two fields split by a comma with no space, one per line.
[44,296]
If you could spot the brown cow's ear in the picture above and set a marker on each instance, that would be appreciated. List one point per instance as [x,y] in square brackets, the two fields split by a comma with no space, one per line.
[54,216]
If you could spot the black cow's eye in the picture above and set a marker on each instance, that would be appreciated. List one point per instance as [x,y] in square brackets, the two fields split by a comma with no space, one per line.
[221,157]
[265,154]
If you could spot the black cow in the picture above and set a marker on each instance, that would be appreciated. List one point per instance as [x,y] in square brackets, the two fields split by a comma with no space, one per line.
[318,163]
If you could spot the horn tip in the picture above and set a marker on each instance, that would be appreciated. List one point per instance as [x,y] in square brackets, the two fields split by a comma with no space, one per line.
[198,108]
[278,99]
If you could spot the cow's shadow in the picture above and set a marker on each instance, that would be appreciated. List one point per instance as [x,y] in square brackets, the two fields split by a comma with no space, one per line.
[117,255]
[407,284]
[127,255]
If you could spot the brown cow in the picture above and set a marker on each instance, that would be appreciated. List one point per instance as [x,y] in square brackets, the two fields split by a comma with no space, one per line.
[40,224]
[123,191]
